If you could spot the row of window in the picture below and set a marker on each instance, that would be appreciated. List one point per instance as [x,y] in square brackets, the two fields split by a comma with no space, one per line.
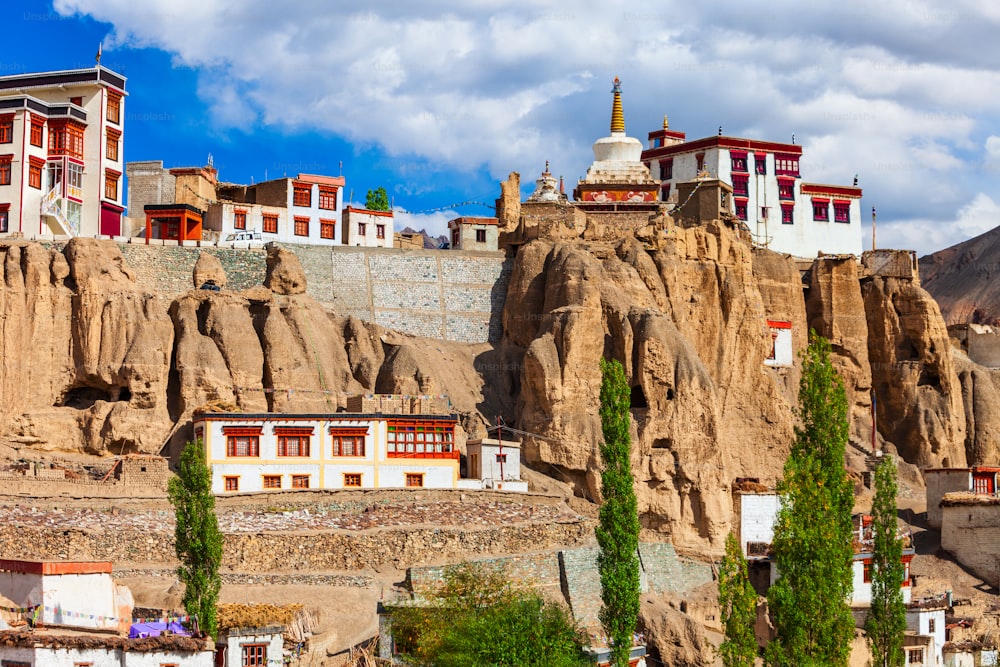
[821,211]
[327,228]
[379,230]
[403,439]
[302,196]
[784,165]
[350,480]
[74,173]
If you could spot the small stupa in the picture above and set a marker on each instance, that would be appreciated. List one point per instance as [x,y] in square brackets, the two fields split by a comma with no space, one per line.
[617,174]
[547,189]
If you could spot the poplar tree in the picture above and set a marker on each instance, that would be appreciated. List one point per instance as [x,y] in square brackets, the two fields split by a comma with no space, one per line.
[377,199]
[197,540]
[813,550]
[886,621]
[738,602]
[618,521]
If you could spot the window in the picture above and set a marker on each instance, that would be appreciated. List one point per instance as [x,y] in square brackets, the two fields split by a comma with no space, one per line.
[348,441]
[454,238]
[868,571]
[414,479]
[739,160]
[380,231]
[300,481]
[328,198]
[7,129]
[232,483]
[272,481]
[239,218]
[666,169]
[66,138]
[242,440]
[4,218]
[362,229]
[111,144]
[254,655]
[842,211]
[786,165]
[352,479]
[501,458]
[327,228]
[302,195]
[5,169]
[114,108]
[741,185]
[270,223]
[787,214]
[760,163]
[293,445]
[35,172]
[480,236]
[74,180]
[301,226]
[821,209]
[37,129]
[741,209]
[930,625]
[665,192]
[915,656]
[423,439]
[111,184]
[786,190]
[700,162]
[78,101]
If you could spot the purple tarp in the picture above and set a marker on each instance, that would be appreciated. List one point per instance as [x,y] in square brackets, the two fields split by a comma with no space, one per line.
[156,628]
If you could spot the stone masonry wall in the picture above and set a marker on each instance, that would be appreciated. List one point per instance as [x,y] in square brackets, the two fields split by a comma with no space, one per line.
[451,295]
[970,531]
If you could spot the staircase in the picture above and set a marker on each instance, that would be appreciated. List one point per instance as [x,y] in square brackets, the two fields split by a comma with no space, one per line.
[52,211]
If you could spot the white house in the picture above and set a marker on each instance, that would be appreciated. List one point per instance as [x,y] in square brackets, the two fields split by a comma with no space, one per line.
[371,229]
[61,149]
[471,233]
[495,463]
[362,450]
[45,647]
[756,513]
[781,344]
[783,212]
[981,480]
[251,647]
[926,619]
[78,594]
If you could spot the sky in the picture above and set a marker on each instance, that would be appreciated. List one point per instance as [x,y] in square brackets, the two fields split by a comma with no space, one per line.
[439,100]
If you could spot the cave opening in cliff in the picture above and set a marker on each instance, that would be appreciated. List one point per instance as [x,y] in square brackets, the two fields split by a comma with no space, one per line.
[82,398]
[638,398]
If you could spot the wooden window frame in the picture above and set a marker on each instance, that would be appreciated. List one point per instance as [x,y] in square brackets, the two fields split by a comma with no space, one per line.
[760,163]
[915,656]
[327,229]
[6,169]
[480,236]
[821,210]
[357,436]
[362,229]
[267,481]
[787,214]
[35,167]
[741,185]
[239,218]
[4,219]
[328,199]
[302,196]
[253,655]
[842,212]
[7,129]
[740,208]
[114,108]
[297,479]
[411,477]
[738,161]
[37,132]
[666,169]
[270,223]
[350,477]
[294,445]
[786,165]
[380,231]
[301,226]
[231,483]
[66,138]
[399,444]
[866,574]
[233,446]
[111,179]
[111,144]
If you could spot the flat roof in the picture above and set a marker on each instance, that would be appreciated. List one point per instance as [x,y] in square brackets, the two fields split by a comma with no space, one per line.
[55,566]
[97,75]
[330,416]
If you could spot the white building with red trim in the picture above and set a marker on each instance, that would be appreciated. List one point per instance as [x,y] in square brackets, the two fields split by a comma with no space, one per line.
[273,451]
[61,151]
[367,228]
[783,212]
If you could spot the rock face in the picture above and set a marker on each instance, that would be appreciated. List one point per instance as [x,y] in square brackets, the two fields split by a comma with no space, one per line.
[284,272]
[208,269]
[965,279]
[673,638]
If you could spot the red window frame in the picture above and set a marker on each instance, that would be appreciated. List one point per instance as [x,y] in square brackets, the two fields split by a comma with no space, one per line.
[787,214]
[352,479]
[867,573]
[272,481]
[7,129]
[666,169]
[738,160]
[253,655]
[300,481]
[37,132]
[821,210]
[302,196]
[414,480]
[270,224]
[362,229]
[380,231]
[239,218]
[293,441]
[328,199]
[786,189]
[5,169]
[4,217]
[699,162]
[35,166]
[65,138]
[741,185]
[111,144]
[301,226]
[111,183]
[231,482]
[114,107]
[760,163]
[842,211]
[348,441]
[740,206]
[242,441]
[786,165]
[480,236]
[428,439]
[327,228]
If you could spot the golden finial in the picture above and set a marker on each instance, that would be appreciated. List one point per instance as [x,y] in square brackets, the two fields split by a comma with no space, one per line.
[617,117]
[666,123]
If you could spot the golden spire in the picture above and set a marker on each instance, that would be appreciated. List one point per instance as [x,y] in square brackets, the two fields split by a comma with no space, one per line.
[617,117]
[666,123]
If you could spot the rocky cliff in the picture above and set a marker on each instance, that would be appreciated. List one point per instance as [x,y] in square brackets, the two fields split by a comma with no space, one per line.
[964,279]
[93,361]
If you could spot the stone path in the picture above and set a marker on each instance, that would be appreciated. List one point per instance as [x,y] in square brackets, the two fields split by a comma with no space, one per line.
[338,516]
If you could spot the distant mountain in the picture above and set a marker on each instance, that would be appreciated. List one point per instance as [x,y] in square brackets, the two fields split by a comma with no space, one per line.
[965,279]
[430,242]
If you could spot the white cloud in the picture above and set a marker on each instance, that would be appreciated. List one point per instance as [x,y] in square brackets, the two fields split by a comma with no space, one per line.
[926,236]
[901,93]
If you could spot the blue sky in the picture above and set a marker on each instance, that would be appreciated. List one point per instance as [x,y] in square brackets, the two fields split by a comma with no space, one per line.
[439,100]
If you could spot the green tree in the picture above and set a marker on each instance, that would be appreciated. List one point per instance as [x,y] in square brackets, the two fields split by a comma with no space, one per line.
[197,539]
[618,521]
[377,199]
[813,550]
[478,618]
[738,602]
[886,621]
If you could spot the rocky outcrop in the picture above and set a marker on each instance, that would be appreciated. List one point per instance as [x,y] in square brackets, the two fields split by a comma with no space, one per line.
[208,269]
[963,279]
[981,398]
[284,272]
[672,637]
